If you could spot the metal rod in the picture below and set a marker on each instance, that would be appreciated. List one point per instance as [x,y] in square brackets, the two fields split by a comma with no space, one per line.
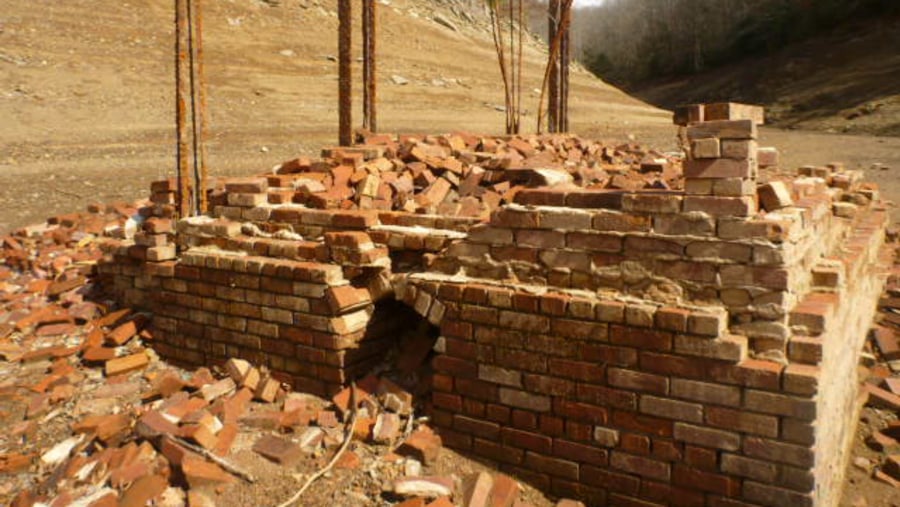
[553,98]
[195,125]
[565,52]
[181,49]
[371,60]
[345,77]
[365,43]
[203,184]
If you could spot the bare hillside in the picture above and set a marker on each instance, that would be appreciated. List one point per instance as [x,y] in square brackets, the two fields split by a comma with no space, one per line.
[847,81]
[86,91]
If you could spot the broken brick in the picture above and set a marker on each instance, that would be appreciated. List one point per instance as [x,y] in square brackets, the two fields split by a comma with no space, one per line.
[279,450]
[127,364]
[423,445]
[200,473]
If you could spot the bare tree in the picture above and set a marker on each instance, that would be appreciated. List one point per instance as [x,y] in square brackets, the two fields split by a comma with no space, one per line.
[509,58]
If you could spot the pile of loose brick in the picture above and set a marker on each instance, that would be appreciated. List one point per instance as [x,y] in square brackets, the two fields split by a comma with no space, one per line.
[450,175]
[883,385]
[93,418]
[605,323]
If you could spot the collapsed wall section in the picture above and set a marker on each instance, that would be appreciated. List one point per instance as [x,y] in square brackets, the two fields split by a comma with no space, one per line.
[654,346]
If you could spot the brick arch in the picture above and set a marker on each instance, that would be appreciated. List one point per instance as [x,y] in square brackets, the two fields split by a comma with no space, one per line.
[424,302]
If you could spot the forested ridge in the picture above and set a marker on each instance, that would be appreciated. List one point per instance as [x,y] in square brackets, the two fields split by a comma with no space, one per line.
[629,41]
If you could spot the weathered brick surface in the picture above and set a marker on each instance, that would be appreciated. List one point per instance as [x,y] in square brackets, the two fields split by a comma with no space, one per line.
[595,341]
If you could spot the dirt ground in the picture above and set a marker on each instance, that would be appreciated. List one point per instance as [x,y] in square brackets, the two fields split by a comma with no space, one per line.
[86,101]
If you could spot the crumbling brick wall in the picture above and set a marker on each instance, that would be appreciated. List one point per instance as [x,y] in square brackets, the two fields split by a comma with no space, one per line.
[674,347]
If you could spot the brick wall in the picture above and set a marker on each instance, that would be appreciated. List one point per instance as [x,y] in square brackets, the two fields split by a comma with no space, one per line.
[618,399]
[649,347]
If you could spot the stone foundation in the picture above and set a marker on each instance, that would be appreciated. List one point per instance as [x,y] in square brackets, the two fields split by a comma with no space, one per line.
[693,347]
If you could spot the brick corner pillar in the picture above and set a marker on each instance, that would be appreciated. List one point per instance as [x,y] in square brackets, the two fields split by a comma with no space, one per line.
[721,168]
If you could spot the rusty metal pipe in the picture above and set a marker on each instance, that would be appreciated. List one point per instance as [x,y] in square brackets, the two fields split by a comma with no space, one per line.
[345,77]
[203,184]
[565,54]
[181,83]
[195,126]
[553,88]
[365,70]
[369,65]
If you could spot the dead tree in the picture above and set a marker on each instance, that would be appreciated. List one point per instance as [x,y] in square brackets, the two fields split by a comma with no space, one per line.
[509,58]
[556,74]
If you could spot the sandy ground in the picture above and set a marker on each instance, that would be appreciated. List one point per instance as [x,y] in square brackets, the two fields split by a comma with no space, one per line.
[86,97]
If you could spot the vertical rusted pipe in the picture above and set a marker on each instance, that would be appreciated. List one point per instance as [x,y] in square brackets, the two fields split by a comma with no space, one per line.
[553,88]
[365,69]
[372,60]
[195,125]
[564,56]
[203,184]
[181,83]
[345,78]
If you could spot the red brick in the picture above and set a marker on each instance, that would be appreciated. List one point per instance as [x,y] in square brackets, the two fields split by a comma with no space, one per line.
[721,206]
[143,490]
[541,238]
[671,409]
[582,412]
[672,319]
[551,386]
[779,404]
[423,445]
[279,450]
[635,444]
[666,450]
[638,381]
[695,479]
[594,242]
[551,466]
[701,457]
[642,423]
[778,451]
[199,473]
[455,367]
[706,392]
[578,370]
[750,373]
[671,495]
[580,453]
[707,437]
[605,396]
[644,467]
[878,397]
[525,322]
[770,495]
[646,339]
[718,168]
[478,389]
[524,400]
[611,480]
[347,298]
[494,450]
[743,421]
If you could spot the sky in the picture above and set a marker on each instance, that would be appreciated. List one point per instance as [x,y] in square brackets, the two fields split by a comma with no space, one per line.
[587,3]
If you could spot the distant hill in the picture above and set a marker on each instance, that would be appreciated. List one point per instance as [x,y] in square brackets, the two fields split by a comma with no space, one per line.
[847,80]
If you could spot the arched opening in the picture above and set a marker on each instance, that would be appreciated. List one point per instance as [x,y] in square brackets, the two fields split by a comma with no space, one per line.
[403,341]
